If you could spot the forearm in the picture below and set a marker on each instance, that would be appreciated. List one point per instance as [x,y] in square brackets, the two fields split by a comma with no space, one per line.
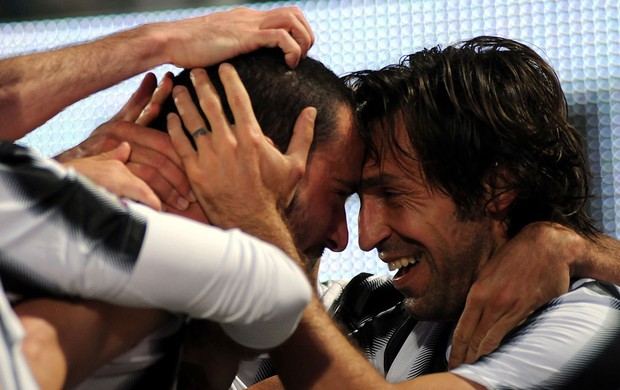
[35,87]
[319,356]
[601,261]
[66,341]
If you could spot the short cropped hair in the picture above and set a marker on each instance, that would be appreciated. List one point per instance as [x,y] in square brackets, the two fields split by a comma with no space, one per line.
[473,109]
[278,94]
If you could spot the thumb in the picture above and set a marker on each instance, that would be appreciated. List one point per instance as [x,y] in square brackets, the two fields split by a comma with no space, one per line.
[120,153]
[301,140]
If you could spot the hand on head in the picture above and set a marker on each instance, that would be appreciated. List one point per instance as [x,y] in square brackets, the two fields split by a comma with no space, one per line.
[236,171]
[152,159]
[498,301]
[214,38]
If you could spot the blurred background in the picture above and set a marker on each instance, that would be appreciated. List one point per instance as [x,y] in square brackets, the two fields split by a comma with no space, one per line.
[581,39]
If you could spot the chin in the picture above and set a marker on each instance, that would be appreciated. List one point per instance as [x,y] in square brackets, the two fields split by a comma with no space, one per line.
[425,311]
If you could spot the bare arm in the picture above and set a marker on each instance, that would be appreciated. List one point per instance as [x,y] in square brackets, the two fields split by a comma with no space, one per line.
[66,341]
[600,261]
[72,73]
[318,356]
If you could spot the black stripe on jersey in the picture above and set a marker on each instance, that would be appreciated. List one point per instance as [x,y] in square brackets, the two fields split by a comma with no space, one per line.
[25,281]
[88,213]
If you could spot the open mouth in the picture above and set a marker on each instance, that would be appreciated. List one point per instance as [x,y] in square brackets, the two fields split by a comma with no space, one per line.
[403,265]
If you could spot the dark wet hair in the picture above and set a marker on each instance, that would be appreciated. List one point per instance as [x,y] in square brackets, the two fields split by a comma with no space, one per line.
[475,110]
[278,94]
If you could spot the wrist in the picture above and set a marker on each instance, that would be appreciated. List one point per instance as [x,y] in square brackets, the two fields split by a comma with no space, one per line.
[572,245]
[150,44]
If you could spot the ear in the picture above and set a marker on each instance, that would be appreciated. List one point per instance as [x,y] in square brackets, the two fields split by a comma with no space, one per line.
[501,192]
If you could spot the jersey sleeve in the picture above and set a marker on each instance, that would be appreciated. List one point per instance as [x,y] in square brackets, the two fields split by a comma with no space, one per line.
[574,342]
[63,236]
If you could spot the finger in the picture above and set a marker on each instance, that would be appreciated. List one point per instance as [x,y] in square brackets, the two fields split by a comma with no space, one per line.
[161,93]
[497,332]
[120,153]
[138,100]
[282,39]
[210,102]
[299,14]
[180,142]
[134,188]
[189,115]
[159,185]
[239,102]
[488,319]
[167,171]
[292,20]
[301,139]
[463,332]
[138,135]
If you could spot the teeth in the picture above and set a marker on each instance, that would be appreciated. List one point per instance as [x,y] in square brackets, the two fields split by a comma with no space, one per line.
[402,262]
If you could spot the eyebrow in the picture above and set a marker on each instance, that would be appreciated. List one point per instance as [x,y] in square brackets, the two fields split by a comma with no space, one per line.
[377,180]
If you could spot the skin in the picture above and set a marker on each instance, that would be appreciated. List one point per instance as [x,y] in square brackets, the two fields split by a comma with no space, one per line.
[220,187]
[187,43]
[321,191]
[402,217]
[332,176]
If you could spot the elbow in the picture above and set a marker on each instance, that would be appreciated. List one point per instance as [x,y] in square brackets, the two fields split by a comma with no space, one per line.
[42,350]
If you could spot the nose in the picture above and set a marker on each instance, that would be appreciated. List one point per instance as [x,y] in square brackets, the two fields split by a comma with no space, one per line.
[371,221]
[339,237]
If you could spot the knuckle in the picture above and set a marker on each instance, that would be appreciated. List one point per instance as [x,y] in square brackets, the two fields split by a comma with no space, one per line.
[489,343]
[158,160]
[476,340]
[459,338]
[298,169]
[502,300]
[108,142]
[144,172]
[210,103]
[476,296]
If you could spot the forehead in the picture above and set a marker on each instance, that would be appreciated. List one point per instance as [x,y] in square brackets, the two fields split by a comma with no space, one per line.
[396,161]
[341,157]
[391,143]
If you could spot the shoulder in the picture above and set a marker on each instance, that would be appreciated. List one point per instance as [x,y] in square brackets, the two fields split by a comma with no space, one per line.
[574,339]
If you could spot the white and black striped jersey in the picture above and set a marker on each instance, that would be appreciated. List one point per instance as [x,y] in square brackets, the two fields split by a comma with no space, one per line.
[62,236]
[573,342]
